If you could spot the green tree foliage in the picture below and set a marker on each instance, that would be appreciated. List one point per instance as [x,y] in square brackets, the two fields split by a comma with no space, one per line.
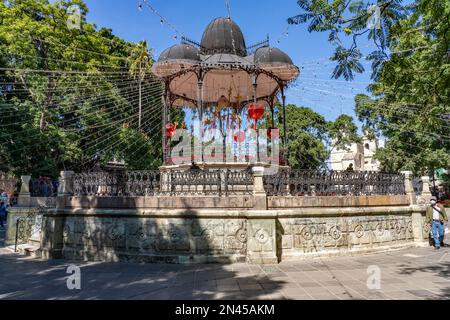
[411,73]
[412,93]
[342,132]
[311,138]
[68,96]
[415,142]
[346,21]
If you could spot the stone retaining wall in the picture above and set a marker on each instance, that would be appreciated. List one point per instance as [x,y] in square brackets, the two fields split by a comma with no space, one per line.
[338,201]
[226,235]
[338,234]
[241,202]
[197,202]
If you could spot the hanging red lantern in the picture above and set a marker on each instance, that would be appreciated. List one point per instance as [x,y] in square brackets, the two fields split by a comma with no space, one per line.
[170,130]
[256,111]
[239,137]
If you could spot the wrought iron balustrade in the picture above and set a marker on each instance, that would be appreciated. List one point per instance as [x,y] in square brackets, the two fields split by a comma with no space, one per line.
[30,225]
[333,183]
[96,184]
[195,182]
[110,184]
[228,182]
[142,183]
[154,183]
[238,182]
[277,184]
[417,185]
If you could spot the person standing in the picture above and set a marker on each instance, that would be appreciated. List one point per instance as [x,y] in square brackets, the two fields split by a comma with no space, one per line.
[436,217]
[3,212]
[5,198]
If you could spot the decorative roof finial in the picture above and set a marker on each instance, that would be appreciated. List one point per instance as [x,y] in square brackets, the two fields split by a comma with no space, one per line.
[228,9]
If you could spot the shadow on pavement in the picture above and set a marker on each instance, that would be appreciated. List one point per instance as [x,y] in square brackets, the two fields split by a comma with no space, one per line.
[2,237]
[436,267]
[28,278]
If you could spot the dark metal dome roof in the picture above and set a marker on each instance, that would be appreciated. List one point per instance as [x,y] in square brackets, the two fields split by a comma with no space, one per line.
[223,35]
[271,55]
[180,52]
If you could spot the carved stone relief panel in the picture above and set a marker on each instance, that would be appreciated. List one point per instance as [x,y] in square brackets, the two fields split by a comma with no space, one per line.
[321,234]
[158,236]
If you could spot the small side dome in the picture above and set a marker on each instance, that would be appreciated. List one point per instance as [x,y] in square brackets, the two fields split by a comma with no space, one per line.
[180,52]
[276,62]
[175,59]
[267,55]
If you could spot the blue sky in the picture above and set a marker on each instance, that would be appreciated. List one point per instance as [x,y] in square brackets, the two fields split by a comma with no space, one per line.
[309,51]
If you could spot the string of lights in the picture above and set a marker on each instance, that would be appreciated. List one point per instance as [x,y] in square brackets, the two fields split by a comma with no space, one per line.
[85,137]
[101,97]
[28,130]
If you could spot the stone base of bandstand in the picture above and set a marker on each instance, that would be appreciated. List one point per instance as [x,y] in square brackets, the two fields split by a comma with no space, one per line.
[228,229]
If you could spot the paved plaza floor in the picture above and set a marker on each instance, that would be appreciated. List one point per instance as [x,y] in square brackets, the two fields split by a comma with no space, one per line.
[416,273]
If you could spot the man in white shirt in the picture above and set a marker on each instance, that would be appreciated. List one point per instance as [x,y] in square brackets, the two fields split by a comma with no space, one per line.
[436,217]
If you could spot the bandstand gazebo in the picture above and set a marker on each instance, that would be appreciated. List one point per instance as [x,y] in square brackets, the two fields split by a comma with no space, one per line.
[223,81]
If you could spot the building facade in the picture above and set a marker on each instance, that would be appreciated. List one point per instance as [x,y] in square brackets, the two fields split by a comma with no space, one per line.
[359,155]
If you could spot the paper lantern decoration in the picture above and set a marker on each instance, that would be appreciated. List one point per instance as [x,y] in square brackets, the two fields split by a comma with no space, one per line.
[170,130]
[239,137]
[256,111]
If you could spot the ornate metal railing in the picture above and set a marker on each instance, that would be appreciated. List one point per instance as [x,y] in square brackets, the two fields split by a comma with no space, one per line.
[96,184]
[153,183]
[262,44]
[277,184]
[195,182]
[141,183]
[417,185]
[228,182]
[333,183]
[123,183]
[30,226]
[43,187]
[185,40]
[238,182]
[211,182]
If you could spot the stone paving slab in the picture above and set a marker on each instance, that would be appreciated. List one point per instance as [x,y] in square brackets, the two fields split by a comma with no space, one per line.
[417,273]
